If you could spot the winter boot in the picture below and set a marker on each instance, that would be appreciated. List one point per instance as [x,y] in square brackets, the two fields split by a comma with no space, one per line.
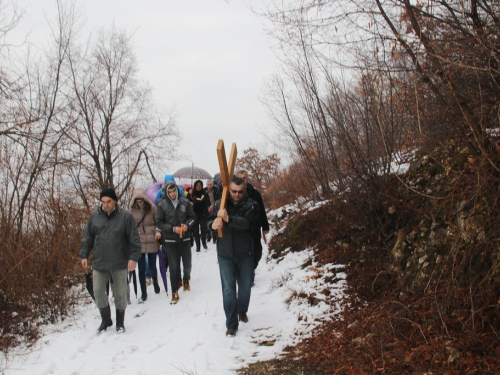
[106,319]
[197,240]
[185,285]
[144,291]
[156,286]
[120,318]
[204,242]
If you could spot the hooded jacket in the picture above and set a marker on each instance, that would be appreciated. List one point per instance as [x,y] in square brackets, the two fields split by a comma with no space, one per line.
[113,238]
[145,221]
[172,213]
[237,240]
[169,179]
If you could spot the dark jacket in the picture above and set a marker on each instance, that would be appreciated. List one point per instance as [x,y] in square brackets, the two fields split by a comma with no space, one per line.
[114,239]
[262,222]
[199,199]
[168,217]
[237,240]
[217,193]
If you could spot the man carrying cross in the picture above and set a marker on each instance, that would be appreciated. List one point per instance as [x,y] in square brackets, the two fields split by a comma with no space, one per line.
[235,252]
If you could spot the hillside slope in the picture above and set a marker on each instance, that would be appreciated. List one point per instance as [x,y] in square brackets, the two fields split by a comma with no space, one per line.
[422,263]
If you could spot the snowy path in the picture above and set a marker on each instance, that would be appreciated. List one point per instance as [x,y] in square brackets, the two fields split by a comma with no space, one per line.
[187,338]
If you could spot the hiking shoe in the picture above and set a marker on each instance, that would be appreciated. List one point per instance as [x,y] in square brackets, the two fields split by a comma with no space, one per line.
[231,332]
[185,285]
[243,318]
[175,298]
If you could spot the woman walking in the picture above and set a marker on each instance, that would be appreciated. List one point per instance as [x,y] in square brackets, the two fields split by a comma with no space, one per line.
[143,211]
[200,206]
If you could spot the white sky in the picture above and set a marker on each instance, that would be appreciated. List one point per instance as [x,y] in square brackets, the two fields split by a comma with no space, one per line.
[187,338]
[208,58]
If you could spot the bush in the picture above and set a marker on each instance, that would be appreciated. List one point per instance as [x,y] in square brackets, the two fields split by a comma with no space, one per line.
[38,268]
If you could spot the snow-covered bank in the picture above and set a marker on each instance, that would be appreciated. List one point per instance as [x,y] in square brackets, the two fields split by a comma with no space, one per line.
[188,338]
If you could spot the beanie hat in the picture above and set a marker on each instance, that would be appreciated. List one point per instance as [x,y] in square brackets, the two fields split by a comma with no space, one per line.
[108,192]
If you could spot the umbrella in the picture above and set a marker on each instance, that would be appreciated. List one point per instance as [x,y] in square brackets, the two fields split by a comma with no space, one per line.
[90,285]
[133,277]
[152,191]
[194,173]
[163,271]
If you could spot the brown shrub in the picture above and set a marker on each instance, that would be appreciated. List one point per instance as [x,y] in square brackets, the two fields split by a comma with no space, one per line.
[432,311]
[38,268]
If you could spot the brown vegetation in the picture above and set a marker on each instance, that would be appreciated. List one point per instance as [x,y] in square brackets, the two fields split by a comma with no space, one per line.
[422,271]
[38,272]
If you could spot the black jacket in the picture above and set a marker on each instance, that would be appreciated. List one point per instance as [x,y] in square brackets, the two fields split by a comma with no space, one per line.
[199,199]
[262,222]
[217,193]
[237,240]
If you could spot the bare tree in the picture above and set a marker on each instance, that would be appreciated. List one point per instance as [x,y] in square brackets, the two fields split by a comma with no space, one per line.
[114,121]
[441,57]
[31,133]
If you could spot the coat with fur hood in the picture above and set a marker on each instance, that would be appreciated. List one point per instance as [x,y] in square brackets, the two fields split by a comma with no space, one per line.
[145,220]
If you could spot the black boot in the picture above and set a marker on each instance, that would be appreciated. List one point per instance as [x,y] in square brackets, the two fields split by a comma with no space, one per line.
[204,242]
[197,240]
[156,286]
[120,318]
[106,319]
[144,291]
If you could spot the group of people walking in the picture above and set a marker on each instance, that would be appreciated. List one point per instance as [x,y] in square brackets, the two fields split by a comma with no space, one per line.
[120,239]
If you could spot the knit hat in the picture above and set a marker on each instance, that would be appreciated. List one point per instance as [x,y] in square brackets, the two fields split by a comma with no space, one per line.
[108,192]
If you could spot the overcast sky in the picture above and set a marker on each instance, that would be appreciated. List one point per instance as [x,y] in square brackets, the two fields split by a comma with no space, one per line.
[206,58]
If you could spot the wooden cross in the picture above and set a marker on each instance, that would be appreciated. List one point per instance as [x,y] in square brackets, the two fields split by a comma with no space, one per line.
[226,173]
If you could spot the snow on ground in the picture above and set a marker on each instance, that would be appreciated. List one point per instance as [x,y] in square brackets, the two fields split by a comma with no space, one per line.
[187,338]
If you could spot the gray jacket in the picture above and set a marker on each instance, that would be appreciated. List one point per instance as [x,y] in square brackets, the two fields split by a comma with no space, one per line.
[237,240]
[168,217]
[114,239]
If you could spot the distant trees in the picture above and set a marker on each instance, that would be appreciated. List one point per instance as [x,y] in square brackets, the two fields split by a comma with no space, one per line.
[75,119]
[262,169]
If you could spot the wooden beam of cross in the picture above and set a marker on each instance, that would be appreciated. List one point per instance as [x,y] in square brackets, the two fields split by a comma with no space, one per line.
[226,173]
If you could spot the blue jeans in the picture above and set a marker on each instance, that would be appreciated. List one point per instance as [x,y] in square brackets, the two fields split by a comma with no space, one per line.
[235,272]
